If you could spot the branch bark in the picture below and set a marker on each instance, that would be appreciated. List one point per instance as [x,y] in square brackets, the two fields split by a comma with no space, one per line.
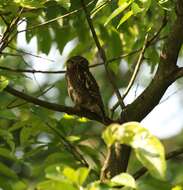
[57,107]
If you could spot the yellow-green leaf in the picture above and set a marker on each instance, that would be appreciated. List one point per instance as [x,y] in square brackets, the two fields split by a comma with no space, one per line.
[124,179]
[121,8]
[125,18]
[3,83]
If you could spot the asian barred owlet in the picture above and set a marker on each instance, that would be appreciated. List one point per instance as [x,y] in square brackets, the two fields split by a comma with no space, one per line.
[82,86]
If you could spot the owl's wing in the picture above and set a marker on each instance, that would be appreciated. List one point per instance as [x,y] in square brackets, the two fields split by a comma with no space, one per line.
[93,88]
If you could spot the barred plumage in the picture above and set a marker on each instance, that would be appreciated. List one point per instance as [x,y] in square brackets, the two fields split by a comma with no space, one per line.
[82,86]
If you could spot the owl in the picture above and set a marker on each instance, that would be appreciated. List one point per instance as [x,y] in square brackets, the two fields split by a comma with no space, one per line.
[82,86]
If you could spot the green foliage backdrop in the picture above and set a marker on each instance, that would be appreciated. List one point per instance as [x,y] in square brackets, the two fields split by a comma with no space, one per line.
[59,147]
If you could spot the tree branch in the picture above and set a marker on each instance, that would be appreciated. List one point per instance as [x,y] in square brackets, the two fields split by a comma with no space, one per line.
[57,107]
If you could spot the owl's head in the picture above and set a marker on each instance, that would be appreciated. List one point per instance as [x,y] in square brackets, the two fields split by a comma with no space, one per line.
[77,61]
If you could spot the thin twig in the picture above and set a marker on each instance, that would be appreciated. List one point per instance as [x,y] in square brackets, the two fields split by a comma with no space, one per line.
[4,20]
[102,54]
[20,55]
[69,146]
[135,72]
[10,106]
[31,54]
[31,71]
[6,39]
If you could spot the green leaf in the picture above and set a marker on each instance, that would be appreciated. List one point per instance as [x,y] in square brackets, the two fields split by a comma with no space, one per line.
[76,176]
[108,134]
[31,3]
[7,114]
[8,138]
[122,7]
[25,134]
[82,174]
[55,185]
[6,171]
[150,152]
[54,172]
[125,18]
[146,4]
[70,174]
[124,179]
[135,8]
[19,185]
[64,3]
[7,154]
[148,149]
[3,83]
[99,6]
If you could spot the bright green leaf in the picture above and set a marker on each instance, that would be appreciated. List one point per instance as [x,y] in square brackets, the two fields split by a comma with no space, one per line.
[73,138]
[3,83]
[54,172]
[82,174]
[124,179]
[125,18]
[99,6]
[148,148]
[70,174]
[135,8]
[108,134]
[31,3]
[7,154]
[150,152]
[118,11]
[64,3]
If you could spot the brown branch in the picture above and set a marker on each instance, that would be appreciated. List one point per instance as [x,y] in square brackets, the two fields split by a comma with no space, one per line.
[179,73]
[169,156]
[57,107]
[11,104]
[31,71]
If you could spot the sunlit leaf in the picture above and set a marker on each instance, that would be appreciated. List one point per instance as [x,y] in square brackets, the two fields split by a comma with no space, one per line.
[125,18]
[148,149]
[124,179]
[31,3]
[3,83]
[118,11]
[65,3]
[135,8]
[82,174]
